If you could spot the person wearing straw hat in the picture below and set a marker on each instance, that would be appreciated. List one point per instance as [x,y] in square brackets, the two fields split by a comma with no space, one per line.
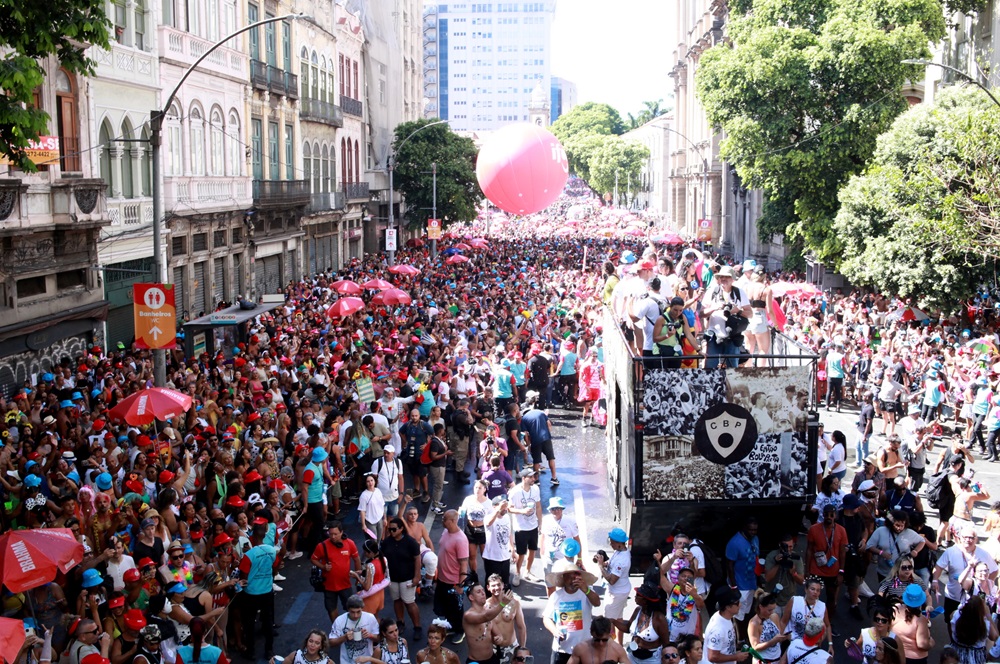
[555,530]
[567,613]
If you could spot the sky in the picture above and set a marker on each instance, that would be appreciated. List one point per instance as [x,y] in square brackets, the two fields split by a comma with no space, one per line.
[616,52]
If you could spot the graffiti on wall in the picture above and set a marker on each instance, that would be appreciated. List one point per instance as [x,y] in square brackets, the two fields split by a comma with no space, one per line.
[17,369]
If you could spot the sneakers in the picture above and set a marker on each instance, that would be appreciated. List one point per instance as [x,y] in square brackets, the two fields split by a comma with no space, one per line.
[515,580]
[437,510]
[294,555]
[554,481]
[278,577]
[426,498]
[276,588]
[531,578]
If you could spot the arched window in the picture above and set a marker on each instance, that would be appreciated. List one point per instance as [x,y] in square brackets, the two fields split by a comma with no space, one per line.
[307,166]
[322,79]
[175,159]
[314,88]
[343,162]
[196,133]
[329,83]
[139,26]
[218,156]
[357,162]
[145,166]
[66,120]
[128,154]
[233,140]
[325,165]
[107,174]
[304,71]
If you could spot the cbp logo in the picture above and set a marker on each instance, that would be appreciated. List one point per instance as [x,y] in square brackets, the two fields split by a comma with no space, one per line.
[725,433]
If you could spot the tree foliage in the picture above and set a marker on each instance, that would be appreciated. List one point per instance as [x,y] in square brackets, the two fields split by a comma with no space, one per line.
[458,190]
[924,219]
[30,32]
[616,157]
[803,89]
[650,111]
[588,118]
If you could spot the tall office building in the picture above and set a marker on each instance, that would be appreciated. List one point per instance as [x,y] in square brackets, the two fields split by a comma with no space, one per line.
[483,60]
[563,97]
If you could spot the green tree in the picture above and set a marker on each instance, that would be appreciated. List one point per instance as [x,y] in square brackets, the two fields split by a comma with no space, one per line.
[620,157]
[924,219]
[651,110]
[588,118]
[458,190]
[802,89]
[29,33]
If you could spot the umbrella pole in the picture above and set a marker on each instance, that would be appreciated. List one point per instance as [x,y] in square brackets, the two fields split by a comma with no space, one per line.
[31,605]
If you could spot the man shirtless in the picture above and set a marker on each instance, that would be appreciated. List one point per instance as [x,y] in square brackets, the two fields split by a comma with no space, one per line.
[476,623]
[509,629]
[600,647]
[418,531]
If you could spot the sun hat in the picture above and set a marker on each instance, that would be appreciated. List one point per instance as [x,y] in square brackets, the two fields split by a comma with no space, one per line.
[176,545]
[618,535]
[389,449]
[319,455]
[556,503]
[131,575]
[562,566]
[726,271]
[32,481]
[914,596]
[91,578]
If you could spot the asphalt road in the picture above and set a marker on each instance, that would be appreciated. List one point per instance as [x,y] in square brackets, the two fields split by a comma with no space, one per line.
[582,472]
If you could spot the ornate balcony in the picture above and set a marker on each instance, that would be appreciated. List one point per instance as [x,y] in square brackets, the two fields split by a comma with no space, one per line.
[327,201]
[280,193]
[352,106]
[355,191]
[321,111]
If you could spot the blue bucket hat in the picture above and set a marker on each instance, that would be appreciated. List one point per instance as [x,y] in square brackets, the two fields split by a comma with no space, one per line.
[618,535]
[47,378]
[104,481]
[91,578]
[319,455]
[914,596]
[555,502]
[32,481]
[66,403]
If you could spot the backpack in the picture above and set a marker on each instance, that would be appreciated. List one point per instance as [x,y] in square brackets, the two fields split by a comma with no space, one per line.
[316,574]
[715,573]
[938,491]
[425,455]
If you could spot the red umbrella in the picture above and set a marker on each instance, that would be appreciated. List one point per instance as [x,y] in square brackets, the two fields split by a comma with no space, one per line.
[346,287]
[457,258]
[345,306]
[377,284]
[31,558]
[406,270]
[393,296]
[154,403]
[463,246]
[669,238]
[414,242]
[479,243]
[11,638]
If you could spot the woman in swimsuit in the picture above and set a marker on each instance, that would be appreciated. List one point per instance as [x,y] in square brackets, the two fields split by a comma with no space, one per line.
[758,334]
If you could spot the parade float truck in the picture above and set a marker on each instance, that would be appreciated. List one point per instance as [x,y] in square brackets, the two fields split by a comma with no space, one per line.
[698,450]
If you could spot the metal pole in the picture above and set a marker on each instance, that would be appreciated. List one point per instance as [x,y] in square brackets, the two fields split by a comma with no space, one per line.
[958,72]
[392,217]
[155,138]
[434,205]
[704,188]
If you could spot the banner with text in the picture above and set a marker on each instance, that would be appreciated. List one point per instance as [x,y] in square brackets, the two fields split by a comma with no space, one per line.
[155,316]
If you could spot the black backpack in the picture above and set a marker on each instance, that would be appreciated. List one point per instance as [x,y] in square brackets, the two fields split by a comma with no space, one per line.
[715,572]
[939,491]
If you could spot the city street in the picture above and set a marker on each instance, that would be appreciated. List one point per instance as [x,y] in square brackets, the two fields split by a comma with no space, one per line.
[582,470]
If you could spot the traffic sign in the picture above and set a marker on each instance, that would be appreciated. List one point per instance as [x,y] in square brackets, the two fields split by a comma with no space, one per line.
[433,229]
[155,316]
[390,239]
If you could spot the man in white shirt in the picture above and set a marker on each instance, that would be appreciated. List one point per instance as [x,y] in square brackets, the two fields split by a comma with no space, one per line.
[721,299]
[555,530]
[720,635]
[393,407]
[389,477]
[614,571]
[567,613]
[525,503]
[355,631]
[954,561]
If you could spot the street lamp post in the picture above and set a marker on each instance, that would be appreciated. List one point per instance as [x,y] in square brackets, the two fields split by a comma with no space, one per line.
[390,163]
[155,140]
[434,205]
[958,72]
[704,172]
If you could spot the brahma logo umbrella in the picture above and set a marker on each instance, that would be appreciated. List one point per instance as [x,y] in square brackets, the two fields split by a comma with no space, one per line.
[725,433]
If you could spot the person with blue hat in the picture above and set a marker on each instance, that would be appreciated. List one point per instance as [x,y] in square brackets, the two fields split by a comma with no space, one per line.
[614,570]
[555,530]
[312,490]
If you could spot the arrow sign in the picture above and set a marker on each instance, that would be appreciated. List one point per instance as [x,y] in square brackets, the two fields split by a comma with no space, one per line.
[155,315]
[156,332]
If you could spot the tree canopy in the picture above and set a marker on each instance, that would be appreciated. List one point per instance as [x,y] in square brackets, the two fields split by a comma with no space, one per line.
[30,32]
[650,111]
[616,156]
[588,118]
[458,190]
[802,90]
[924,219]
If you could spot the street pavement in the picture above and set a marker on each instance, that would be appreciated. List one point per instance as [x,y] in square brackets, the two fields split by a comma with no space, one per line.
[581,466]
[582,470]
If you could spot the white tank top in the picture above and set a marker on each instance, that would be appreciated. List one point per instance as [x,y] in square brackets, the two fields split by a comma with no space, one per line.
[801,615]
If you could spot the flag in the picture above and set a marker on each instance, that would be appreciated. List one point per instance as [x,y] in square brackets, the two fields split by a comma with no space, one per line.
[366,391]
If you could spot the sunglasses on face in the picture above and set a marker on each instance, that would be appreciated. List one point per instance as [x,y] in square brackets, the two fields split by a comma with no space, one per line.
[881,621]
[671,655]
[178,556]
[905,567]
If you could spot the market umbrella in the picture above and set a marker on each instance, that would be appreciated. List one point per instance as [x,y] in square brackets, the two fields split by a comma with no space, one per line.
[463,246]
[11,638]
[982,345]
[394,296]
[635,232]
[405,270]
[31,558]
[457,258]
[479,243]
[668,238]
[907,314]
[414,242]
[377,284]
[450,251]
[345,306]
[154,403]
[346,287]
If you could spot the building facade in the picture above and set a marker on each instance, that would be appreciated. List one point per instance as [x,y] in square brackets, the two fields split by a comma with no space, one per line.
[52,302]
[563,97]
[706,194]
[353,137]
[124,90]
[653,192]
[482,61]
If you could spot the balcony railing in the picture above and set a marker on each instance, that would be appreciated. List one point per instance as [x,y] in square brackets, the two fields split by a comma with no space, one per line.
[291,85]
[327,201]
[207,193]
[321,111]
[351,106]
[258,74]
[130,211]
[275,80]
[185,48]
[355,191]
[280,193]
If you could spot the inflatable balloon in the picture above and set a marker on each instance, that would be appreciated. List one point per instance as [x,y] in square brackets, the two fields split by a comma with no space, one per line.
[522,168]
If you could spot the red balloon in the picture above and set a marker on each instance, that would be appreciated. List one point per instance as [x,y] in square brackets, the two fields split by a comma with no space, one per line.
[522,168]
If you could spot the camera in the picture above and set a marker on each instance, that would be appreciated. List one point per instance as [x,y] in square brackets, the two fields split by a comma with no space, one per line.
[727,308]
[600,556]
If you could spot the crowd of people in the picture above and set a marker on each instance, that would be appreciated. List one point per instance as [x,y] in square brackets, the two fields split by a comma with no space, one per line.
[315,422]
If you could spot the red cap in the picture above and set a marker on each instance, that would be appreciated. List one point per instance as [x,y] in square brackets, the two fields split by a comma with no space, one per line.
[97,425]
[276,484]
[117,602]
[221,539]
[146,562]
[131,575]
[95,658]
[259,521]
[143,441]
[236,501]
[166,477]
[252,476]
[253,417]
